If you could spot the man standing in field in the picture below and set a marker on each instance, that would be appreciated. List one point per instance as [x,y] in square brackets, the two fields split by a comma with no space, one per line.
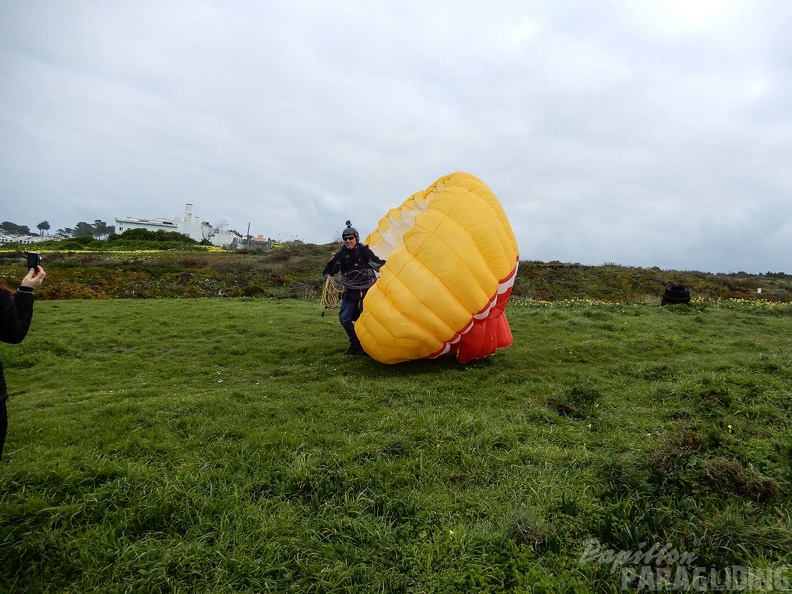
[357,264]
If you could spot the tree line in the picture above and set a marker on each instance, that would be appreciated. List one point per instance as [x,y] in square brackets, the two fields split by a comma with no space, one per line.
[98,229]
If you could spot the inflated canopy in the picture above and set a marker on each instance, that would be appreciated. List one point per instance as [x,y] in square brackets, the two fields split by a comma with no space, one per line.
[451,262]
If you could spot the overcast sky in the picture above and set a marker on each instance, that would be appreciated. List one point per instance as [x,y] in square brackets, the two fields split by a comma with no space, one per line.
[626,131]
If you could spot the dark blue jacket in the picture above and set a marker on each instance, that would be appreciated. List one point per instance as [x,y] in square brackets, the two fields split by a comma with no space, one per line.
[359,257]
[15,315]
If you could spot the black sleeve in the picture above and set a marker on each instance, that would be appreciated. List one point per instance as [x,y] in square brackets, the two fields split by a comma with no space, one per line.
[15,316]
[372,257]
[333,266]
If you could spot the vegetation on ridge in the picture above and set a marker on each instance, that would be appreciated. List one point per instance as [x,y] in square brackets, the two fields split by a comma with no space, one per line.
[292,270]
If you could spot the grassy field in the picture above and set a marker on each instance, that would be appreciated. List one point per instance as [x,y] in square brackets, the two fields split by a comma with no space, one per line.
[207,445]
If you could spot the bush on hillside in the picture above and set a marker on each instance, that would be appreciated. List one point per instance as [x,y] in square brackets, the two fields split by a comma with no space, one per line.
[70,246]
[146,235]
[83,240]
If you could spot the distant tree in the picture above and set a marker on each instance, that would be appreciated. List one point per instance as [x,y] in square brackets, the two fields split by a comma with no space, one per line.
[14,229]
[82,229]
[209,231]
[97,230]
[102,230]
[43,226]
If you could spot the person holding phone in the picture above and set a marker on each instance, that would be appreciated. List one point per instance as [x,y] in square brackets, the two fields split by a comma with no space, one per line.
[16,313]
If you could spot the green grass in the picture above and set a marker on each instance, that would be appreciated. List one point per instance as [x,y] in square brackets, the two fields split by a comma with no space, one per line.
[229,446]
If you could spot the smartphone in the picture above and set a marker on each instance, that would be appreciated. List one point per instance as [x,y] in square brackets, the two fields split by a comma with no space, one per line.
[33,260]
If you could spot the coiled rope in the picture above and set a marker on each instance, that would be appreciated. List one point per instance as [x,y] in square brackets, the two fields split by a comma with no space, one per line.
[331,294]
[354,280]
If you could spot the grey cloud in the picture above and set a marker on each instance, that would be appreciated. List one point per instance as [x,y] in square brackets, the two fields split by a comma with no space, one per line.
[604,128]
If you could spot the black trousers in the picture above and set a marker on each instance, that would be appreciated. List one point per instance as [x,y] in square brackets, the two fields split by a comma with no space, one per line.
[350,312]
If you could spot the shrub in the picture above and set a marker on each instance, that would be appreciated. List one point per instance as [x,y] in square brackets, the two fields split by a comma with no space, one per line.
[83,240]
[71,246]
[158,236]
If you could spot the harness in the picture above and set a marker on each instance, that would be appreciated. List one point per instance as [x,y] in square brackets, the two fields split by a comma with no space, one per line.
[354,280]
[356,275]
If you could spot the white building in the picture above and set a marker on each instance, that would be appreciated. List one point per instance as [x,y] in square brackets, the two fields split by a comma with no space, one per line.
[195,229]
[21,238]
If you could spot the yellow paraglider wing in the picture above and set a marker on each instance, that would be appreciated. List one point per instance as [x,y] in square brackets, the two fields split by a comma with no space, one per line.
[451,262]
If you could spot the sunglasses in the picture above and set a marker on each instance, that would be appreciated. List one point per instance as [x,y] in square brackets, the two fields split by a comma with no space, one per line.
[348,238]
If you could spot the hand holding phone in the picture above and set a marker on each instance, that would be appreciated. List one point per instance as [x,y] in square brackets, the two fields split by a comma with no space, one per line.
[33,260]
